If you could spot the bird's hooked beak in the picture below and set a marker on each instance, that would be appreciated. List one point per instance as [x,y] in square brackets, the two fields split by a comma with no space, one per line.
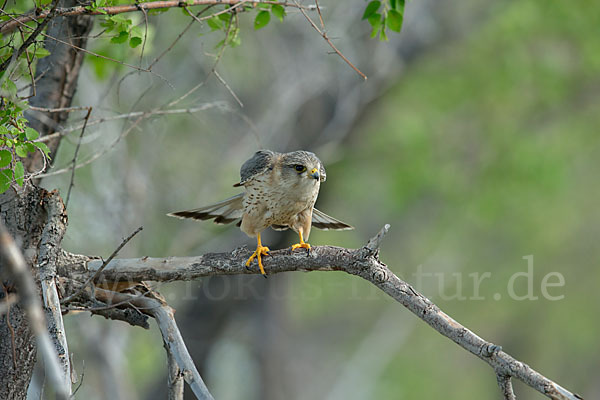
[314,173]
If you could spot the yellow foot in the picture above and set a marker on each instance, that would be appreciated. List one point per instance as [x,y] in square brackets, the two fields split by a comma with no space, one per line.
[260,251]
[301,245]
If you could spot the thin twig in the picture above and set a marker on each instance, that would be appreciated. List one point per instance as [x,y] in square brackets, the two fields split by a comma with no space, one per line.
[145,114]
[99,154]
[228,88]
[19,22]
[72,182]
[93,278]
[35,32]
[57,110]
[328,40]
[29,62]
[7,302]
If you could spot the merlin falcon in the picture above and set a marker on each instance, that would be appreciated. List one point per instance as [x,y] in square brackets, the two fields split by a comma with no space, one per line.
[280,192]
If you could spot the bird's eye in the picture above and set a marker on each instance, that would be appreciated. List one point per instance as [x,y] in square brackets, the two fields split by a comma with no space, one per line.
[300,168]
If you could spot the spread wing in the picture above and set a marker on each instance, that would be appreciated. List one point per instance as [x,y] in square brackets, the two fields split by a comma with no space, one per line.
[260,162]
[223,212]
[323,221]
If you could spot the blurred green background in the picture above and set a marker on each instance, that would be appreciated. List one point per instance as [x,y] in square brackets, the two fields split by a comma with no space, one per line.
[475,137]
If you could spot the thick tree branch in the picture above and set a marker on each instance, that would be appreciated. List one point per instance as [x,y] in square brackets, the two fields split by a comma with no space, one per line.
[20,273]
[363,262]
[50,243]
[150,303]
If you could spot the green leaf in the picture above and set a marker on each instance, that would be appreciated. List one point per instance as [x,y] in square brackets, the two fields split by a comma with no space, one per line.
[29,147]
[121,37]
[42,146]
[215,23]
[278,11]
[31,133]
[5,158]
[5,180]
[371,9]
[10,88]
[41,52]
[224,17]
[135,41]
[262,19]
[394,20]
[19,173]
[375,21]
[393,4]
[21,150]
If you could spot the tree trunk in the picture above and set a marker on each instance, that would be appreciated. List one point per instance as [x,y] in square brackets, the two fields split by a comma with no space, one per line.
[25,218]
[23,211]
[57,76]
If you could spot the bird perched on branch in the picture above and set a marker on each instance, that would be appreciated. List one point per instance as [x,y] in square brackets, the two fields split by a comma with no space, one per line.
[280,192]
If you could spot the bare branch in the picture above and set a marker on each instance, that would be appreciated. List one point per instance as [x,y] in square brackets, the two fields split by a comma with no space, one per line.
[363,262]
[152,304]
[506,386]
[104,264]
[173,341]
[327,39]
[175,377]
[85,122]
[49,247]
[14,261]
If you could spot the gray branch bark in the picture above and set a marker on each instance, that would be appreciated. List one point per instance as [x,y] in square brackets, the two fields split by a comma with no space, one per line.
[13,259]
[363,262]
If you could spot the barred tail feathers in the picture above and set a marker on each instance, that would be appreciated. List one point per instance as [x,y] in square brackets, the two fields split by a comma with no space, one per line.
[223,212]
[323,221]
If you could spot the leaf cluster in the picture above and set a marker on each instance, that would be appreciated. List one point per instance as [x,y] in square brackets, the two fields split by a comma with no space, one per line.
[17,141]
[383,15]
[124,29]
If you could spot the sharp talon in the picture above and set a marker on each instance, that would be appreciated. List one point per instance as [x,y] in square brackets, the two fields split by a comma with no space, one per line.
[301,245]
[258,253]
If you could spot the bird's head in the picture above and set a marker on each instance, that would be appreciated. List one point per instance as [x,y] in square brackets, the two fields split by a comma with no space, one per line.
[302,167]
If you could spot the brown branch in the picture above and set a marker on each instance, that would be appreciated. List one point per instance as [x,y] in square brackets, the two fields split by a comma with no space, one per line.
[363,262]
[19,22]
[72,182]
[9,26]
[327,39]
[38,29]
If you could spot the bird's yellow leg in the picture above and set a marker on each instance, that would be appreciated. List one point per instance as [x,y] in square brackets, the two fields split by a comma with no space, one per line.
[301,244]
[260,251]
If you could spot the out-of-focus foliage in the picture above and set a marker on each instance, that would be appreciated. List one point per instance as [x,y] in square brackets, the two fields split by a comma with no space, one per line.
[484,153]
